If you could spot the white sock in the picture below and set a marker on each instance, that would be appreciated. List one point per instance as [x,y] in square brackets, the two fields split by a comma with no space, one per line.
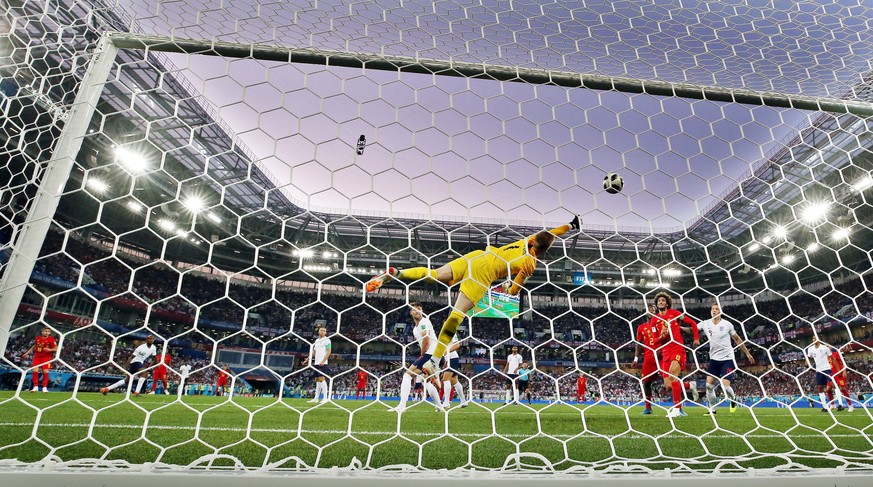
[325,394]
[710,395]
[459,391]
[139,384]
[405,387]
[117,384]
[434,393]
[839,395]
[729,392]
[507,395]
[514,393]
[447,391]
[824,399]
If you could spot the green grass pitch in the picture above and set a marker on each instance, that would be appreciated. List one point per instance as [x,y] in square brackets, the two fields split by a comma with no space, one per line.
[292,433]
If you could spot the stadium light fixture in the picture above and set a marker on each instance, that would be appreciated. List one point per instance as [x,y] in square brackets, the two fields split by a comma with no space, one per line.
[194,204]
[167,225]
[181,232]
[132,161]
[814,212]
[755,246]
[841,234]
[863,183]
[766,239]
[213,217]
[134,206]
[788,259]
[97,185]
[306,253]
[812,247]
[780,232]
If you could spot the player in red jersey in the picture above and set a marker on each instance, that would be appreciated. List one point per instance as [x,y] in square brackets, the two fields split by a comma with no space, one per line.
[840,378]
[44,348]
[160,374]
[362,384]
[581,385]
[673,354]
[221,382]
[649,339]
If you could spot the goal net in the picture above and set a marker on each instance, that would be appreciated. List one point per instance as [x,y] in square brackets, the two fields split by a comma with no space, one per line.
[195,197]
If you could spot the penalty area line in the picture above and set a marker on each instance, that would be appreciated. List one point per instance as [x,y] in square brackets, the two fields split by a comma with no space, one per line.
[393,433]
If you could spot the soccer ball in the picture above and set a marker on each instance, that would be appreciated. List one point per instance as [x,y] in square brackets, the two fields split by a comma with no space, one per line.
[613,183]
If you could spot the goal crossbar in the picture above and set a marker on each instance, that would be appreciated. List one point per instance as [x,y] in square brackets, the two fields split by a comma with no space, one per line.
[496,72]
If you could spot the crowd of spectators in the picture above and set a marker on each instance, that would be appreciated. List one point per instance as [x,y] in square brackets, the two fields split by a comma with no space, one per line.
[206,313]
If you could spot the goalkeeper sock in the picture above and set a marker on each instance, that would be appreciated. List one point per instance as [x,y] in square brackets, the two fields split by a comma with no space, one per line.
[677,394]
[405,388]
[139,383]
[417,273]
[459,391]
[710,394]
[447,391]
[447,333]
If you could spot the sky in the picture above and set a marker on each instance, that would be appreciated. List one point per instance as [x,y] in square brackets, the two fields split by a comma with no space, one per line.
[483,150]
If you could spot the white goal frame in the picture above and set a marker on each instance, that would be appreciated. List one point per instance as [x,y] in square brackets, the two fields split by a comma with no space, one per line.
[32,234]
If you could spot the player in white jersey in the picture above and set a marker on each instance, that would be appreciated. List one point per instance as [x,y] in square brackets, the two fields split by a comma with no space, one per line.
[721,357]
[820,354]
[135,365]
[321,350]
[450,375]
[513,362]
[426,337]
[184,371]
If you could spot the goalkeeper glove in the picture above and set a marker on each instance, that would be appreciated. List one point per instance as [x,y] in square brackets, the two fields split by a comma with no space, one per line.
[575,223]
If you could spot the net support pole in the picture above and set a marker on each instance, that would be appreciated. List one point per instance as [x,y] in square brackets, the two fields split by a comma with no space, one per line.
[491,71]
[31,235]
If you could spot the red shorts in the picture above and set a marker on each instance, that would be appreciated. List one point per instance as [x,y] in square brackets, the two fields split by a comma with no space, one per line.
[160,375]
[42,361]
[580,391]
[650,369]
[670,356]
[362,385]
[221,383]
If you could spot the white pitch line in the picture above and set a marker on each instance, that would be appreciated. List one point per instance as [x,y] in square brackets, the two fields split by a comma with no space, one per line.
[391,433]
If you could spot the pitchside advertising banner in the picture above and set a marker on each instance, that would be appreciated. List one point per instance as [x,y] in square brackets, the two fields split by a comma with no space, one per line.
[581,279]
[496,304]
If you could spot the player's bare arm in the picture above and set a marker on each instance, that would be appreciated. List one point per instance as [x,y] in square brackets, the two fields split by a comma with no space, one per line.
[739,342]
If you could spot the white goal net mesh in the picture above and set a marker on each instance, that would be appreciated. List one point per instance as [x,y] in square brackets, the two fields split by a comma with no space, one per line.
[229,204]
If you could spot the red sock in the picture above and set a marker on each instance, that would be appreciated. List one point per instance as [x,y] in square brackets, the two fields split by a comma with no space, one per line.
[845,391]
[686,385]
[45,380]
[677,394]
[648,402]
[830,394]
[36,378]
